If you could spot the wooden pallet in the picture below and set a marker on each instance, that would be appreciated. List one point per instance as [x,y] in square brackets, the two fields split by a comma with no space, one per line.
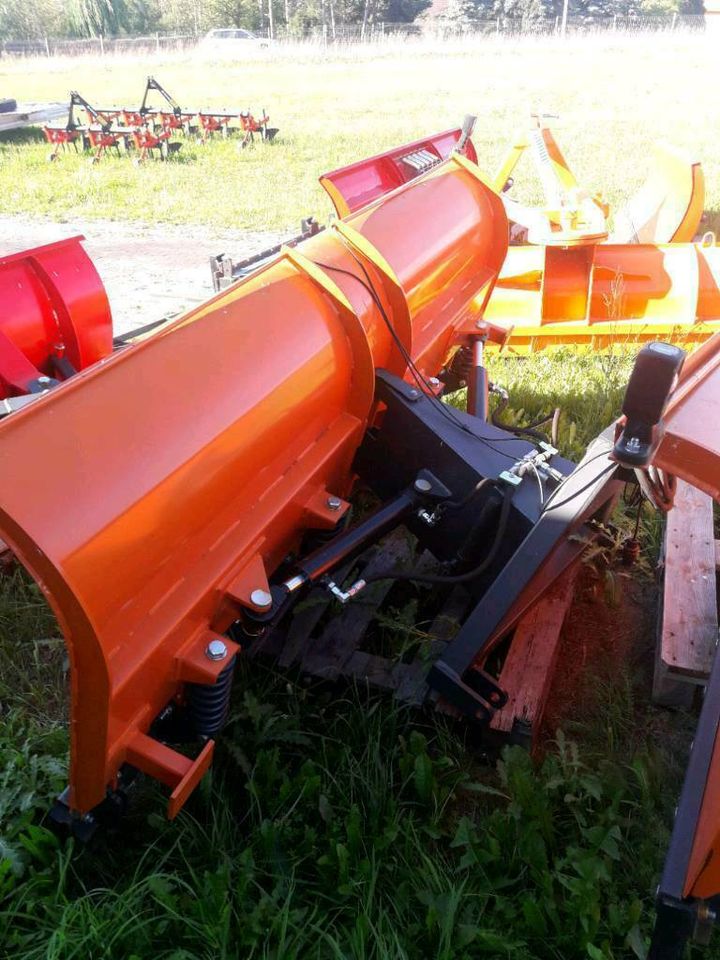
[688,616]
[528,670]
[324,640]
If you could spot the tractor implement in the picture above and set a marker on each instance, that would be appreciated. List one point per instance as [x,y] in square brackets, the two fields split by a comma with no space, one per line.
[97,134]
[594,294]
[54,320]
[146,584]
[351,187]
[226,122]
[174,118]
[667,208]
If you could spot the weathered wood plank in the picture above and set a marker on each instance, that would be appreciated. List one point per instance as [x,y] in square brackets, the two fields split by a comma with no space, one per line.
[527,673]
[689,631]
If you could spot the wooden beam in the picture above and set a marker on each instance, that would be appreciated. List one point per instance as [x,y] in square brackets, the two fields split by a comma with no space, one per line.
[689,629]
[527,673]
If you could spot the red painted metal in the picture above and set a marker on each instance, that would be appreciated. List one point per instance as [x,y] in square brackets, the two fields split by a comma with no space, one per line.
[53,306]
[360,183]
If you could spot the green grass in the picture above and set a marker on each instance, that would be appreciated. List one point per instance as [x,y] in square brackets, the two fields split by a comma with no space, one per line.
[615,97]
[338,826]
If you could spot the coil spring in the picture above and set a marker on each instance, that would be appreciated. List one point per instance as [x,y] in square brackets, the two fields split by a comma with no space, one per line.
[208,705]
[462,364]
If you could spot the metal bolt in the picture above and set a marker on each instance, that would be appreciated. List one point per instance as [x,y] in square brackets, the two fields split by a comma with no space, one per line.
[334,503]
[216,650]
[261,598]
[434,382]
[413,394]
[422,485]
[43,380]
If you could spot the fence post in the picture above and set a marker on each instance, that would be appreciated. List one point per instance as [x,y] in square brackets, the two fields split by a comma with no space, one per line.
[102,46]
[47,47]
[325,35]
[563,30]
[497,27]
[674,20]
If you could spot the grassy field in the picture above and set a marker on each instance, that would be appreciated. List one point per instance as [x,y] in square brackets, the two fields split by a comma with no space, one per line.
[614,99]
[336,826]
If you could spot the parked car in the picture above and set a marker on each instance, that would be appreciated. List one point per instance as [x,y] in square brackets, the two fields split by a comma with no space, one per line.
[231,41]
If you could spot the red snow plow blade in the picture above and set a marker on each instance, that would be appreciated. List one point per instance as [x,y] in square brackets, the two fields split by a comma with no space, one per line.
[54,317]
[358,184]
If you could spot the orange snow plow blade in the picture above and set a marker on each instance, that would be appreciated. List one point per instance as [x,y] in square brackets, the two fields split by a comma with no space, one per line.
[600,294]
[668,207]
[188,466]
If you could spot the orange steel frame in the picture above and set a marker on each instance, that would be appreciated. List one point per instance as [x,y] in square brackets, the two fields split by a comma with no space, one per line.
[213,446]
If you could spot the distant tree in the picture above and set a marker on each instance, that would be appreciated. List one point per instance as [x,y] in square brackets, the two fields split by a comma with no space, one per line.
[20,20]
[527,9]
[402,11]
[91,18]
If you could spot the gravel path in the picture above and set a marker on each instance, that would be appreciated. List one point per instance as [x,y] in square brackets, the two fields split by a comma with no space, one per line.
[149,272]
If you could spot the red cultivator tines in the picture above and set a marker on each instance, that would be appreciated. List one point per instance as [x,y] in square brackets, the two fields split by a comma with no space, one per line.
[147,142]
[98,133]
[225,122]
[61,137]
[250,126]
[54,318]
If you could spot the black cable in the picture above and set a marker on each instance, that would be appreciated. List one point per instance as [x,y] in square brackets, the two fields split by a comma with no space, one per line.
[417,376]
[528,429]
[469,575]
[464,501]
[603,473]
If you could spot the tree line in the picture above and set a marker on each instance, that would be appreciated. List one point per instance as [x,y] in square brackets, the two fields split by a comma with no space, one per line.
[37,19]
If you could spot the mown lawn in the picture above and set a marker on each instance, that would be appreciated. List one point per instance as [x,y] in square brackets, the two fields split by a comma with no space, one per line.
[615,97]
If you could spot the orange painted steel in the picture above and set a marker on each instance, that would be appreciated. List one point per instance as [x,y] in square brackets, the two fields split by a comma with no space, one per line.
[669,205]
[689,448]
[690,444]
[599,294]
[52,306]
[187,466]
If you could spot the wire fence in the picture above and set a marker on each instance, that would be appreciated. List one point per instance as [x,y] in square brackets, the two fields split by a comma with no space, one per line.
[334,34]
